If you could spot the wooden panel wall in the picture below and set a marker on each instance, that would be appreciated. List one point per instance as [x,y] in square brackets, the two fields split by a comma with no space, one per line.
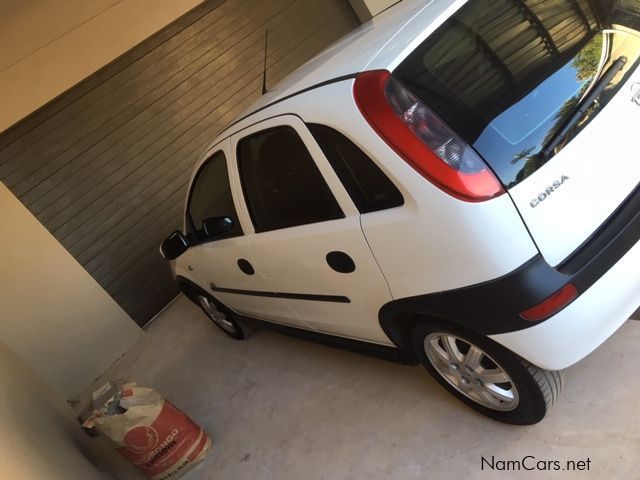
[105,166]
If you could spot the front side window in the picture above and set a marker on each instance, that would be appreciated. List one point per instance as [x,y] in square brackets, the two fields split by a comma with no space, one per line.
[282,184]
[211,197]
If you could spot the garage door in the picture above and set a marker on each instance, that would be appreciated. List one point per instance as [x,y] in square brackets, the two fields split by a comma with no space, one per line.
[105,166]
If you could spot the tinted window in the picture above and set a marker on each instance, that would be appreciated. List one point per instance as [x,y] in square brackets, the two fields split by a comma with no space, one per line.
[282,184]
[211,197]
[368,186]
[509,75]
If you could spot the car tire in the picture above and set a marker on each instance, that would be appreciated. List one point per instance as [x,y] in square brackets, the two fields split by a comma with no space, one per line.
[484,375]
[222,317]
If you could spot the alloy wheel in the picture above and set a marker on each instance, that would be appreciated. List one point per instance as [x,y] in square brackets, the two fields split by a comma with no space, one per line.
[220,318]
[471,371]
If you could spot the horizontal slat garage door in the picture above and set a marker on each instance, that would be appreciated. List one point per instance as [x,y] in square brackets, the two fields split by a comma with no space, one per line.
[105,166]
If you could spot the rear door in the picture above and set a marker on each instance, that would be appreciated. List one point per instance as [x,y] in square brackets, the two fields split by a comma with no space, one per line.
[307,240]
[547,93]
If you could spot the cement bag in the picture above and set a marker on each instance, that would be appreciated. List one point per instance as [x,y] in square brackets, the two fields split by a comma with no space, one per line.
[151,433]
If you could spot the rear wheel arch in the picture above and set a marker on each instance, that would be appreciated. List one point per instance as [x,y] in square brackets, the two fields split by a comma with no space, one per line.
[399,325]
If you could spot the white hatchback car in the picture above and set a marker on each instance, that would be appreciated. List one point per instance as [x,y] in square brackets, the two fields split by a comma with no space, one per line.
[454,183]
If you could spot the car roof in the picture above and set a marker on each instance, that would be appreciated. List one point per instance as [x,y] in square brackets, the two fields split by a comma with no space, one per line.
[377,44]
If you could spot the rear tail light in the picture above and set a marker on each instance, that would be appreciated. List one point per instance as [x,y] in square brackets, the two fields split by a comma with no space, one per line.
[424,141]
[552,305]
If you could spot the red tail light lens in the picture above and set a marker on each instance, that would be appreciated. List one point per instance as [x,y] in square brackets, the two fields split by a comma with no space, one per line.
[552,305]
[424,141]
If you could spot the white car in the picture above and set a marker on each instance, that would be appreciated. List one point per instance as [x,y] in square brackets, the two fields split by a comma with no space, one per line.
[454,184]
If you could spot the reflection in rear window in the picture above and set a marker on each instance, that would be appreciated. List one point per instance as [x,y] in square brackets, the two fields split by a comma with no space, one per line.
[509,74]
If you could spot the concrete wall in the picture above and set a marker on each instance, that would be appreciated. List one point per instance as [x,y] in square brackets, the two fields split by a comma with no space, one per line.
[52,312]
[366,9]
[39,438]
[47,46]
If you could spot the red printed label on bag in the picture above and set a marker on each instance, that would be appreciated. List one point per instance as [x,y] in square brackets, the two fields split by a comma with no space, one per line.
[157,448]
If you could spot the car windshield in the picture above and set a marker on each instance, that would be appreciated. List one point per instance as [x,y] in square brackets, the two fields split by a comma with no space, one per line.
[510,75]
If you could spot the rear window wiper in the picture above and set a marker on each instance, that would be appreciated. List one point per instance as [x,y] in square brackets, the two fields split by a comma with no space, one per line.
[583,106]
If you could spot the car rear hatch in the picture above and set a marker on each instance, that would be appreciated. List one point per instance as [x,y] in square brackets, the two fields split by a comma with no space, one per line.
[548,93]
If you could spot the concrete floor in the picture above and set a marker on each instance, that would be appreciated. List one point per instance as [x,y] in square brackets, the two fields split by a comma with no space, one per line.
[281,408]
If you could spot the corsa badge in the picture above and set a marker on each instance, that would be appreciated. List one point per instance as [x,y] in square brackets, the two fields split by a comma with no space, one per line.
[549,190]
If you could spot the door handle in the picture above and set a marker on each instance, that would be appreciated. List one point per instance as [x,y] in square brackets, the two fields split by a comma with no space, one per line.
[341,262]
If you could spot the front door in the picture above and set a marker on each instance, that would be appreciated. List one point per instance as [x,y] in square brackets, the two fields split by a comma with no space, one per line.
[223,264]
[307,241]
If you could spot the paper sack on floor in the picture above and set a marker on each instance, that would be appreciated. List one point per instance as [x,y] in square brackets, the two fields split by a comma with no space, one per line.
[150,432]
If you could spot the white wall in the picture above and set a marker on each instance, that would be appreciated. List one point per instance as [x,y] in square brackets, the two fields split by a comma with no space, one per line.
[47,46]
[52,312]
[39,438]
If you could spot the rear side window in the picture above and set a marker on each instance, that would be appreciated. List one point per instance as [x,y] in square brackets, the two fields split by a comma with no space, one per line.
[510,76]
[369,188]
[282,184]
[210,197]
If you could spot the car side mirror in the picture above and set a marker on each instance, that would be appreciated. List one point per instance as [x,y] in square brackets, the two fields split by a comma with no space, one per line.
[216,226]
[174,245]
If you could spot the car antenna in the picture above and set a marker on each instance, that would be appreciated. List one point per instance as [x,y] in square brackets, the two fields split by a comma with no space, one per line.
[264,72]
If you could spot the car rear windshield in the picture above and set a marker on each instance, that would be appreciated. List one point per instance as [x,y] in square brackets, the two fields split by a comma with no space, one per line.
[519,79]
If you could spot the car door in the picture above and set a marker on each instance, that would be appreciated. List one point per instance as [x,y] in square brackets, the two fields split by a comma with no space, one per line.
[307,240]
[223,263]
